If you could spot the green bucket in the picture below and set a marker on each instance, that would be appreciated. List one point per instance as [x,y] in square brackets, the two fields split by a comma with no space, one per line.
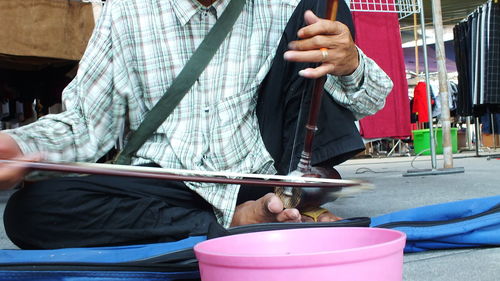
[421,141]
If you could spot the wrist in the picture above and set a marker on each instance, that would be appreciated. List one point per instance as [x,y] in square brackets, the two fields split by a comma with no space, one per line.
[355,61]
[9,147]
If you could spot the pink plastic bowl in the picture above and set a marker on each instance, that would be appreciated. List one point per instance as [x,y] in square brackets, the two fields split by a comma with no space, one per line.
[312,254]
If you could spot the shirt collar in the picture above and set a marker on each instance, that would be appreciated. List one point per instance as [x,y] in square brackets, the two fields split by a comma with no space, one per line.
[184,10]
[220,6]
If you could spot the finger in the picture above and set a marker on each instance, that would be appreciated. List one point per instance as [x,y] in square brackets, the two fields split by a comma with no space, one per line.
[317,72]
[274,204]
[307,56]
[313,43]
[310,17]
[276,209]
[306,219]
[328,217]
[289,215]
[322,27]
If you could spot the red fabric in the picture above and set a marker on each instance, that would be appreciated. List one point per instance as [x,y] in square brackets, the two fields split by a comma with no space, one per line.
[420,102]
[378,35]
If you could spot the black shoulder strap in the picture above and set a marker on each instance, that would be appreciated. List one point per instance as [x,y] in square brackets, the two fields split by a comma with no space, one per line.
[184,81]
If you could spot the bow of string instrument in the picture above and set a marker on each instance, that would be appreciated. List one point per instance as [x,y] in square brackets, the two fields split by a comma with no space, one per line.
[312,184]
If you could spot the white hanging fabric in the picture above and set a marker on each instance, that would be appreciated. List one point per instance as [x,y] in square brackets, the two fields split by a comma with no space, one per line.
[96,6]
[403,8]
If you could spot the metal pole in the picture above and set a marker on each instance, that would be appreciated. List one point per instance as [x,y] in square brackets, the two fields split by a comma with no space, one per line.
[469,133]
[428,87]
[433,171]
[492,117]
[477,136]
[415,36]
[443,84]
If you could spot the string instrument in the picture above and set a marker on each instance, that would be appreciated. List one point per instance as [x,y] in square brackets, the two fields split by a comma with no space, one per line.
[300,198]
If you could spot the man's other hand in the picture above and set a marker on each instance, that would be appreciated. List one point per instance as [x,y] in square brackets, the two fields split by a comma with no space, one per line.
[327,42]
[11,175]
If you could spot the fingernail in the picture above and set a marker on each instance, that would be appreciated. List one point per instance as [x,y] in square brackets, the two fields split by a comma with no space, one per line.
[291,45]
[286,55]
[302,72]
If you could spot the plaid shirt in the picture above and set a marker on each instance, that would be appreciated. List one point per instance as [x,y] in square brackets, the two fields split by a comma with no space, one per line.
[137,49]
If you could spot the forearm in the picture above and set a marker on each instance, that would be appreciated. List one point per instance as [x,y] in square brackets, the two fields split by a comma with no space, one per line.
[60,137]
[364,91]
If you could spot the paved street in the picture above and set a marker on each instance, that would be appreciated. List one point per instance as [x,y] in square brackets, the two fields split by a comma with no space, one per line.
[394,192]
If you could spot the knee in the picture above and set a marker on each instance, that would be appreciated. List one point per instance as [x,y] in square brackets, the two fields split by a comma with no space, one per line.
[17,222]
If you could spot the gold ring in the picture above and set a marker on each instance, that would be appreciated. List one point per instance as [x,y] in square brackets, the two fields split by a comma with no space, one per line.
[324,52]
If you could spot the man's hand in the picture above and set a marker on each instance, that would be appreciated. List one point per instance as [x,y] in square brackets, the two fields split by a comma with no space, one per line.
[326,42]
[11,175]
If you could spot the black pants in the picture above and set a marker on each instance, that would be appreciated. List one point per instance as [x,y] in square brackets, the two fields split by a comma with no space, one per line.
[103,210]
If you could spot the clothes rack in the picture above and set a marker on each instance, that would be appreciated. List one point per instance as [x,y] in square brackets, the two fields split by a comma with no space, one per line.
[406,8]
[477,38]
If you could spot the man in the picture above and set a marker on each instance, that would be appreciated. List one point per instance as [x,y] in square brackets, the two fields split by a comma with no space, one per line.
[239,116]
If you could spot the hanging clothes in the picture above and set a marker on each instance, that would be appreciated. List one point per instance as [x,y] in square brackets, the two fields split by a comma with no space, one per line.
[419,105]
[462,60]
[378,35]
[492,85]
[477,43]
[486,123]
[436,98]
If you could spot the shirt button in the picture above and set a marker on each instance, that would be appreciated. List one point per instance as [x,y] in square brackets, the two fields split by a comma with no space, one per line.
[206,109]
